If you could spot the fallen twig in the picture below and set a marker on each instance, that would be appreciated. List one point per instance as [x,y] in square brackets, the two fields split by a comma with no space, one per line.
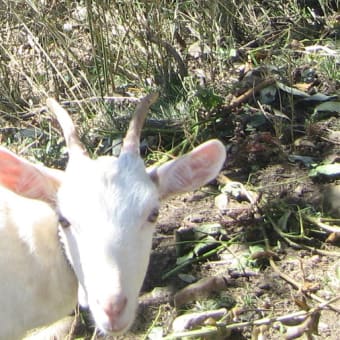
[220,326]
[249,93]
[291,281]
[300,246]
[316,221]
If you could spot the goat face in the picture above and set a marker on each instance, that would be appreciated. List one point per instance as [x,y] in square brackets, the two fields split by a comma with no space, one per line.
[111,206]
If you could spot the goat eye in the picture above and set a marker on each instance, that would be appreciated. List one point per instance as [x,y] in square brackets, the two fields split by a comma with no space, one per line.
[153,215]
[64,222]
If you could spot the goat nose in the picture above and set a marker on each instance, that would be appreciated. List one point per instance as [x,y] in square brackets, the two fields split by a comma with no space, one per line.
[114,307]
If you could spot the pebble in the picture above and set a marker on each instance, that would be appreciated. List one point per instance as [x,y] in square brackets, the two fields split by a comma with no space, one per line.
[221,202]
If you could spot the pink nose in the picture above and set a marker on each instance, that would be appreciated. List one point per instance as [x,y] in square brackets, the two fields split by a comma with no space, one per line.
[114,308]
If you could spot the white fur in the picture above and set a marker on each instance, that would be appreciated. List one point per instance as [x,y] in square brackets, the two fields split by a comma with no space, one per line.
[106,248]
[37,285]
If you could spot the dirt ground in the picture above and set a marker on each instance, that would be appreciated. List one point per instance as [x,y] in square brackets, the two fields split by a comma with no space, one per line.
[260,291]
[273,262]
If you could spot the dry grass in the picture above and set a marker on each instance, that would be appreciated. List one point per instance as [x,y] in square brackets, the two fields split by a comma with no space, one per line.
[94,49]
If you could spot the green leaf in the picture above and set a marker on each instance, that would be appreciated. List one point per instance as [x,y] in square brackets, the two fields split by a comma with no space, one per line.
[205,245]
[185,258]
[292,90]
[337,272]
[208,98]
[256,248]
[327,170]
[326,109]
[255,121]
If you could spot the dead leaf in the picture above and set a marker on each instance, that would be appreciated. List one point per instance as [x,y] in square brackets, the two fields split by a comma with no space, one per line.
[310,287]
[302,303]
[333,238]
[303,86]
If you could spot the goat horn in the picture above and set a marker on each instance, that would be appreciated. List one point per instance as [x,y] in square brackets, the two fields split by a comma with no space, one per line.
[131,140]
[72,140]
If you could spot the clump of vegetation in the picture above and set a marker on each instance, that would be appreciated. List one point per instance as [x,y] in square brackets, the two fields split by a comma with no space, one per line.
[90,52]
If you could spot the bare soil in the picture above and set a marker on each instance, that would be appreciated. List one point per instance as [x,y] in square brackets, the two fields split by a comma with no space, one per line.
[305,273]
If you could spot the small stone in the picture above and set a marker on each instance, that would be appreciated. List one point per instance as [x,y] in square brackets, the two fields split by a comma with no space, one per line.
[188,278]
[67,27]
[221,202]
[315,259]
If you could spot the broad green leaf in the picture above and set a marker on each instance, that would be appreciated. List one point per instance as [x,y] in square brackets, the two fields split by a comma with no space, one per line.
[328,170]
[332,106]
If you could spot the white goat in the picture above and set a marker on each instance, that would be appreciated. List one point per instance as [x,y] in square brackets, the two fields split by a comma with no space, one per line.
[85,230]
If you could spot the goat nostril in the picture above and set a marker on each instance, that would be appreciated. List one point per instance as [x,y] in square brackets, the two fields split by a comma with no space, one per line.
[114,307]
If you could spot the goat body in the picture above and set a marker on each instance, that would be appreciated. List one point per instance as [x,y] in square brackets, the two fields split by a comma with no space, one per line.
[38,286]
[87,229]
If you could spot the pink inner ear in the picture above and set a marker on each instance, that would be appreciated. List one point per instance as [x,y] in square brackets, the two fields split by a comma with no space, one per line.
[191,171]
[204,162]
[27,179]
[10,170]
[206,156]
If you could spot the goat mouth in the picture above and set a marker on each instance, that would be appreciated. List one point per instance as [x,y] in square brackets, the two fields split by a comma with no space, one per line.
[115,329]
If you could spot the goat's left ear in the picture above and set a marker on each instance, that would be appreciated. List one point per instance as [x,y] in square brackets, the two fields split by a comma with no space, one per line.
[190,171]
[27,179]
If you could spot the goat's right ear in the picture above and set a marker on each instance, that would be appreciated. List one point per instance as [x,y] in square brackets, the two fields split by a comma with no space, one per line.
[190,171]
[27,179]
